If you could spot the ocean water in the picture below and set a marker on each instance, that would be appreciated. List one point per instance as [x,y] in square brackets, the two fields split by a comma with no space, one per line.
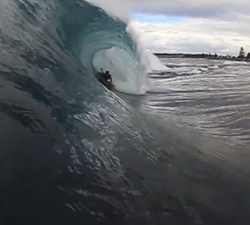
[168,146]
[210,96]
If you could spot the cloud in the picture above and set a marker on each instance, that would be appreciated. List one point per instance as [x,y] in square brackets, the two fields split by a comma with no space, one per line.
[194,35]
[192,8]
[199,26]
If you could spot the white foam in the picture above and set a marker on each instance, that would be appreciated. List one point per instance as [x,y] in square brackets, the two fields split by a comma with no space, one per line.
[214,67]
[113,8]
[155,63]
[234,62]
[120,64]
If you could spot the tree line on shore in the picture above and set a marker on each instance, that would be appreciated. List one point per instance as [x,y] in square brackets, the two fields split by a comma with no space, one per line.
[241,55]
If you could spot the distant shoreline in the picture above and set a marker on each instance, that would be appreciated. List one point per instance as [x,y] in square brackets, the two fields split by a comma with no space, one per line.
[199,56]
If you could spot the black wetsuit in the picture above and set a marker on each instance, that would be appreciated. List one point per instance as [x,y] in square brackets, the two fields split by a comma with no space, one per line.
[105,79]
[107,76]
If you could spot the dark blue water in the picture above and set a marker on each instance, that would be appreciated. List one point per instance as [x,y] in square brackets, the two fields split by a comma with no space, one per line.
[73,152]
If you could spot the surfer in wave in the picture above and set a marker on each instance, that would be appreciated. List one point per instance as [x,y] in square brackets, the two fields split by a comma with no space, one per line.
[105,78]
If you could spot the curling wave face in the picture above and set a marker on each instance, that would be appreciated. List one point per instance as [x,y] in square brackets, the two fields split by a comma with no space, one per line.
[72,152]
[101,40]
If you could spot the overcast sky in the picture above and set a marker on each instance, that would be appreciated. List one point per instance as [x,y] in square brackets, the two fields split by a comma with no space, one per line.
[220,26]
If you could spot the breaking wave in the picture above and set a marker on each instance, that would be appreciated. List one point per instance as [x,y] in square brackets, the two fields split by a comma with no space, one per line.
[100,39]
[73,152]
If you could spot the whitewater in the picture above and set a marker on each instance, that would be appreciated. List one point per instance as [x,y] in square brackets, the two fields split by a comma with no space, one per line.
[159,149]
[111,43]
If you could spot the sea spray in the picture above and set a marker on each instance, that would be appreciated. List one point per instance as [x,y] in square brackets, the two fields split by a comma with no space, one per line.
[128,66]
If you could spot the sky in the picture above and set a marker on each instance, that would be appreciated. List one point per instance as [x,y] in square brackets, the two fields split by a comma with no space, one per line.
[192,26]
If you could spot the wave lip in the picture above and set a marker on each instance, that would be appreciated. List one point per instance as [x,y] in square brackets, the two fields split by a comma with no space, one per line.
[102,38]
